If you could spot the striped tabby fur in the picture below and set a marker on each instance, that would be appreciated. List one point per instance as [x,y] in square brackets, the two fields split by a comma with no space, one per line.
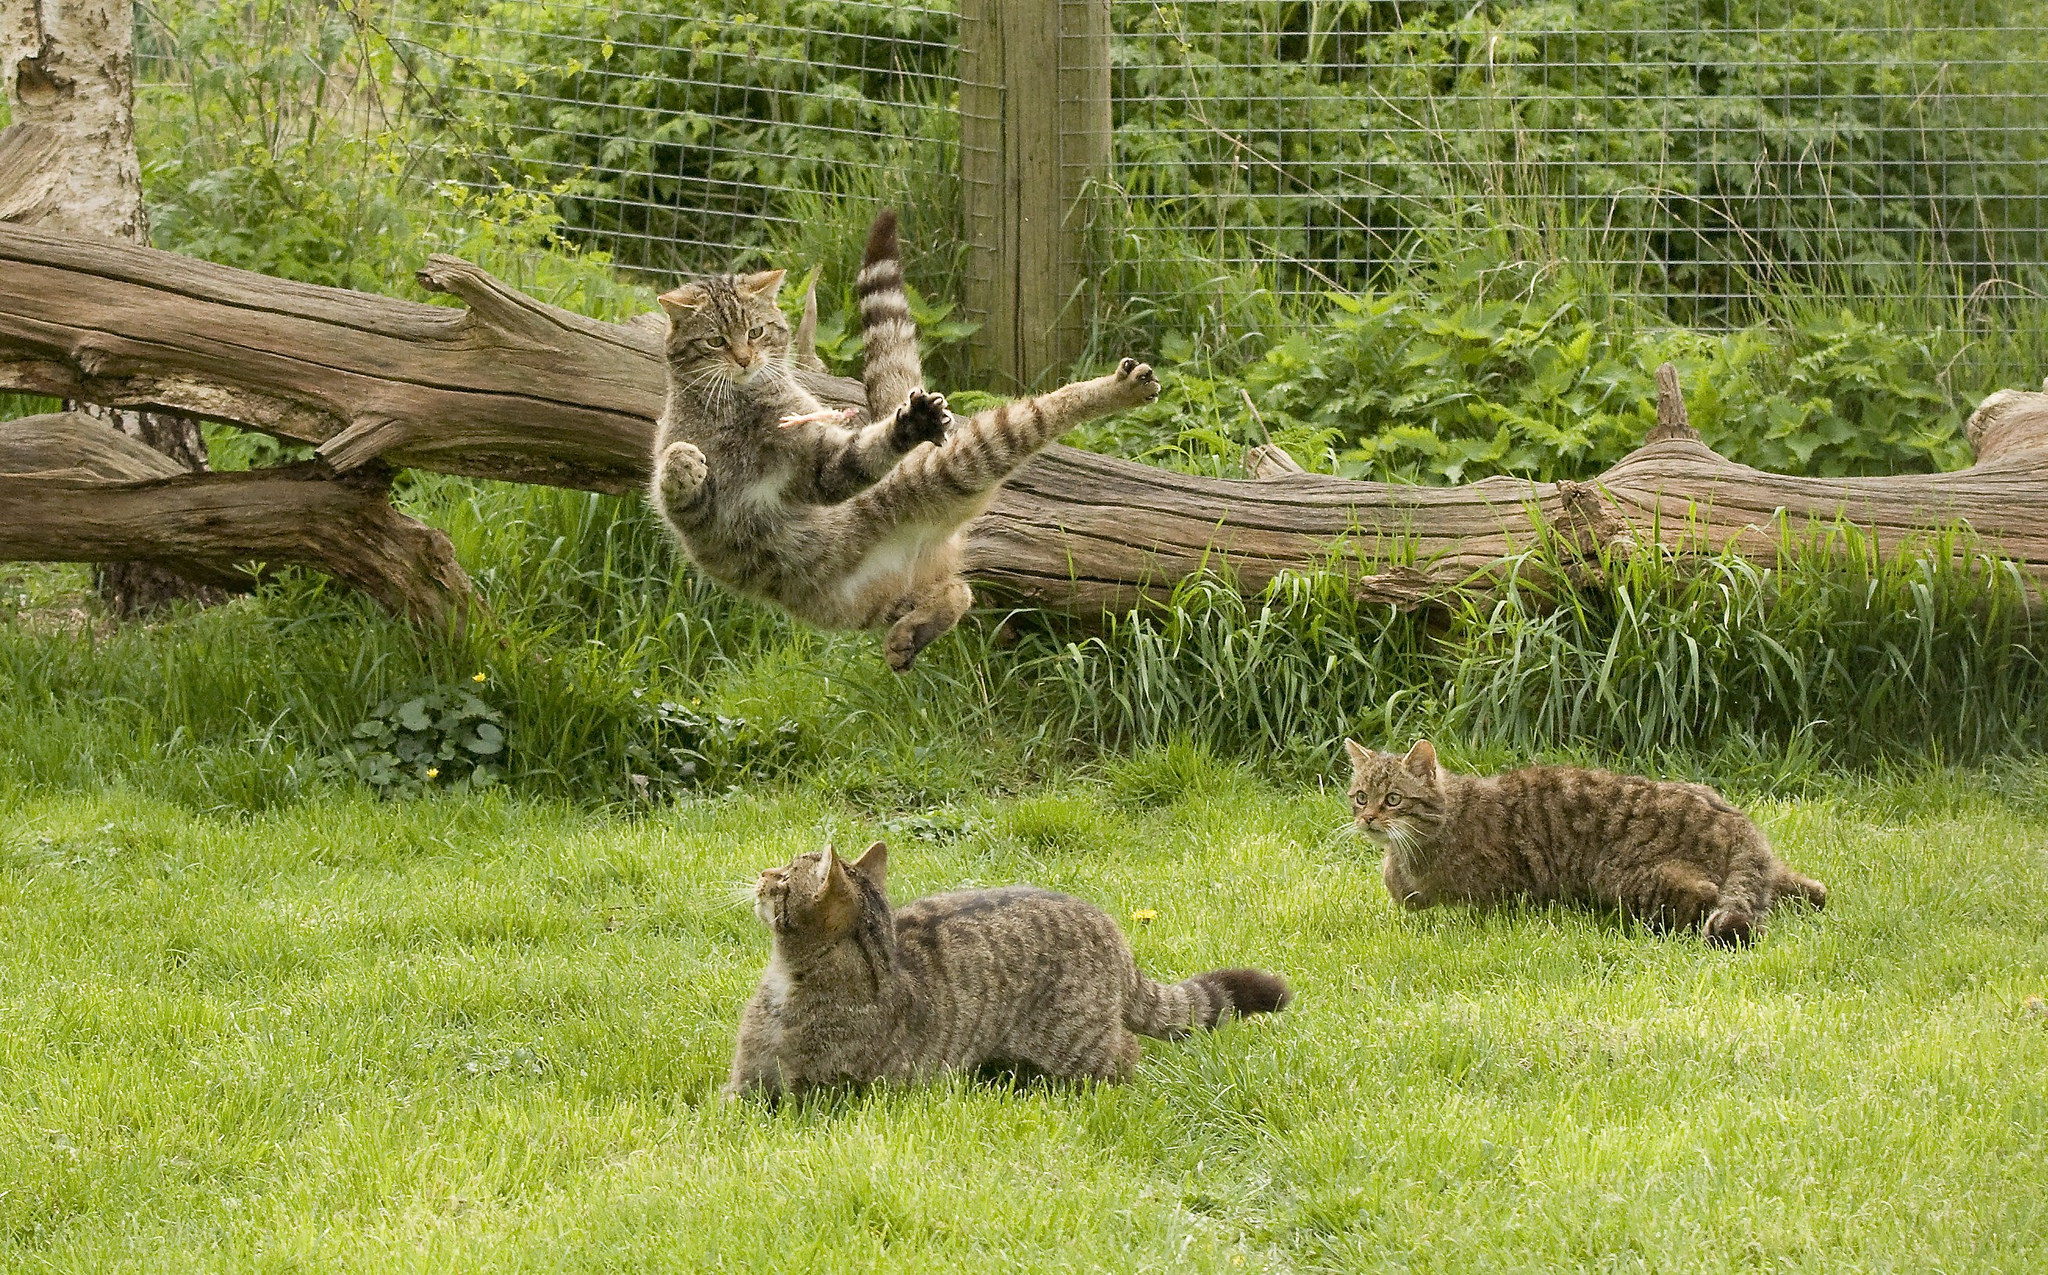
[844,525]
[1016,977]
[1675,855]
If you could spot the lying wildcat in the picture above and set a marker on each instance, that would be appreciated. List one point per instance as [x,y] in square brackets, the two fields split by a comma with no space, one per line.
[843,525]
[1675,855]
[1018,977]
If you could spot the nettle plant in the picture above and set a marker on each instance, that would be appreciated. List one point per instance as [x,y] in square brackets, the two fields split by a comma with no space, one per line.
[680,747]
[433,738]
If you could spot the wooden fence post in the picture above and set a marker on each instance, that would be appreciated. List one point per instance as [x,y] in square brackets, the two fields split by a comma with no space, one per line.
[1034,129]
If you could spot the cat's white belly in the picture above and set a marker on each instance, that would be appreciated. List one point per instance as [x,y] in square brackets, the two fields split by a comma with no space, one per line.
[765,492]
[890,561]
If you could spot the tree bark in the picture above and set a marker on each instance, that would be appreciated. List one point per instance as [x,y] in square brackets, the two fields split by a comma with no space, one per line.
[210,528]
[68,162]
[514,389]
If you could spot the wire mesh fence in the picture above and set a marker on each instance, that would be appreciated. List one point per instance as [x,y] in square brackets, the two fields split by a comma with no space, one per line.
[1699,151]
[675,136]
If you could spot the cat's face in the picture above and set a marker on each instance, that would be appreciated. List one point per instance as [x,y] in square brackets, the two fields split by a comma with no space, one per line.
[820,895]
[1396,800]
[727,328]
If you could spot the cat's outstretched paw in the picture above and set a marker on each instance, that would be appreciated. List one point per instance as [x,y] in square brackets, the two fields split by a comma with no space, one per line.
[1133,385]
[679,474]
[923,418]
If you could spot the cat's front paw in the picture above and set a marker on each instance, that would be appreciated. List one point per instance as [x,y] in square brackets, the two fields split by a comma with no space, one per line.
[1134,385]
[1729,927]
[679,474]
[922,419]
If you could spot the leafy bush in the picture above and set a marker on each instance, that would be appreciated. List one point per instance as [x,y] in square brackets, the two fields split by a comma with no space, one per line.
[271,141]
[674,137]
[1446,386]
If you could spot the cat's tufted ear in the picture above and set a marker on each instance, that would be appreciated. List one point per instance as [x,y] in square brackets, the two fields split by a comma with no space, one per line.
[1421,760]
[1358,751]
[682,301]
[874,865]
[764,284]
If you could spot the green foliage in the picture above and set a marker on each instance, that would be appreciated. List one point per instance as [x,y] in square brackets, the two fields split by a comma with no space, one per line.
[1836,655]
[680,748]
[671,136]
[270,141]
[436,737]
[1452,382]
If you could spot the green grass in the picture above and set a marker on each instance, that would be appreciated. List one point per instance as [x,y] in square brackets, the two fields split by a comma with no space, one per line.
[484,1034]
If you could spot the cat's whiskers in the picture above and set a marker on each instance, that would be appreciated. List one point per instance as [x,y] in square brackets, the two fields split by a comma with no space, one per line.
[741,893]
[1349,828]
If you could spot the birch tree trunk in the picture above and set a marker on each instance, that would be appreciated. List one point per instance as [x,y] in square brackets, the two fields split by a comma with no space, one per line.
[68,163]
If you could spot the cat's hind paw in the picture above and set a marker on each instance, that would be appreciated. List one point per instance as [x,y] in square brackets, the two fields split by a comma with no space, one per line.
[1134,384]
[923,418]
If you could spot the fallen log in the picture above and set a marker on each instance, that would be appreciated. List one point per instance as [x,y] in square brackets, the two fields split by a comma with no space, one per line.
[511,388]
[72,490]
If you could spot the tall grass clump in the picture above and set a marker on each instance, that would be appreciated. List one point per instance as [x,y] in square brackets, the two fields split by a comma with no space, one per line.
[1836,650]
[1834,653]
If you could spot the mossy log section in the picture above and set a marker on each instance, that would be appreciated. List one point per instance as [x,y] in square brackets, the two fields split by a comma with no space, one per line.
[511,388]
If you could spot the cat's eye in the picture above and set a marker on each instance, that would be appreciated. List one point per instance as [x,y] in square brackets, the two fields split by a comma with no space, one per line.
[1393,799]
[758,331]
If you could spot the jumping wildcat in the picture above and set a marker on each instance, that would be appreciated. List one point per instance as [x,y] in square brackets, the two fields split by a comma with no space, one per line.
[1676,855]
[1017,977]
[843,525]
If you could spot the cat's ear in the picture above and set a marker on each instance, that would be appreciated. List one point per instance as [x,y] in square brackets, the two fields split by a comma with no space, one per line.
[764,284]
[1359,755]
[1421,760]
[874,865]
[828,863]
[683,301]
[837,904]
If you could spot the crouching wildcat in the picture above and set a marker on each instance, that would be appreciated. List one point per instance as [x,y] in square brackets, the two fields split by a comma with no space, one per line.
[1675,855]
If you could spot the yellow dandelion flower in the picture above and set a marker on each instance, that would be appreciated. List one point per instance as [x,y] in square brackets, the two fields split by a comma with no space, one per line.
[478,678]
[1143,915]
[433,772]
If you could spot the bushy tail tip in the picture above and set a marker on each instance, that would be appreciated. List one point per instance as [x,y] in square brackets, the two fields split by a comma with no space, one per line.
[881,238]
[1248,991]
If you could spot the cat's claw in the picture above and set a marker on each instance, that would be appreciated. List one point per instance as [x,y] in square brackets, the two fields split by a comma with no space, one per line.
[823,416]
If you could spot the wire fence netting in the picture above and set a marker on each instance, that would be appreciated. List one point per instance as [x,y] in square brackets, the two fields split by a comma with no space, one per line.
[1700,151]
